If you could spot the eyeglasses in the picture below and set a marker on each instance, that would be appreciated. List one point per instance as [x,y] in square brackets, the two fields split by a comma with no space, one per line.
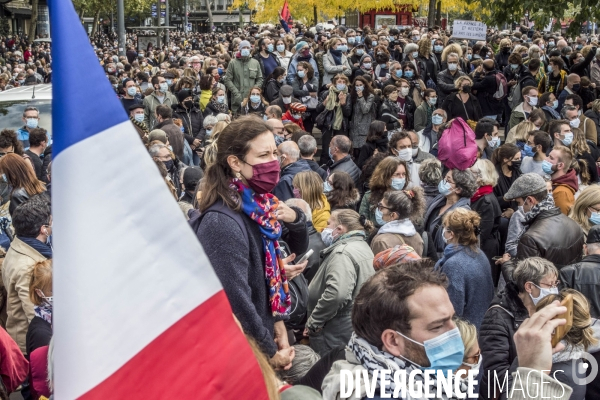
[380,206]
[553,285]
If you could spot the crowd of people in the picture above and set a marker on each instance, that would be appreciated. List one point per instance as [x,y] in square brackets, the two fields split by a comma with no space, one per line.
[444,192]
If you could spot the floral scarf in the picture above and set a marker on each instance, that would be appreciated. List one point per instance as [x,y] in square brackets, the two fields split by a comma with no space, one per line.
[261,209]
[44,311]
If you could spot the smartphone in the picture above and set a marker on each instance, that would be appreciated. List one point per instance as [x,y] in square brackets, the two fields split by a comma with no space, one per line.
[562,330]
[305,256]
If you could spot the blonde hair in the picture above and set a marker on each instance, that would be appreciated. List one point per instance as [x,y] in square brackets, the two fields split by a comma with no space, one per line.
[311,188]
[587,198]
[468,334]
[487,175]
[452,48]
[464,224]
[351,220]
[458,82]
[217,129]
[579,146]
[41,278]
[271,380]
[522,130]
[581,333]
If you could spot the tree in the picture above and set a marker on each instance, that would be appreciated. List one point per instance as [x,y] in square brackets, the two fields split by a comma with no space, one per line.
[34,20]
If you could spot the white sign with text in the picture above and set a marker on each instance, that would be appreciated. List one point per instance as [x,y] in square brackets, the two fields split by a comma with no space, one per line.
[474,30]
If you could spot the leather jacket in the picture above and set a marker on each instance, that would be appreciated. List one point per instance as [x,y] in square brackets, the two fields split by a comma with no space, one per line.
[584,277]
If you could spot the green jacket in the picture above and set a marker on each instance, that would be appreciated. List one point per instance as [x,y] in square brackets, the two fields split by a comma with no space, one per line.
[151,102]
[242,74]
[345,266]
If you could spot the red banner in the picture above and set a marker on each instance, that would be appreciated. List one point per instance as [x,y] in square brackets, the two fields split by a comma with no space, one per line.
[286,15]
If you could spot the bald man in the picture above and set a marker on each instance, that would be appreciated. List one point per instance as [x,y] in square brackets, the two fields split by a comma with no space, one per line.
[278,130]
[291,164]
[573,85]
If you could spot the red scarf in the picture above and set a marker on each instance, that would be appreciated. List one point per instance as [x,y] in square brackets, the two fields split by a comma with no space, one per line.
[482,191]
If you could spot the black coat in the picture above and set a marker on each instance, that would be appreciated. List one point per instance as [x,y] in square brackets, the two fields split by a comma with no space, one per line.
[584,277]
[388,113]
[486,87]
[553,236]
[445,84]
[272,90]
[499,325]
[454,107]
[346,165]
[367,150]
[489,210]
[315,167]
[192,119]
[316,244]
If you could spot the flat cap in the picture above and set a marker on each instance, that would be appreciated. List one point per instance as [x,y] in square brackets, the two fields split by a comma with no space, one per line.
[526,185]
[286,91]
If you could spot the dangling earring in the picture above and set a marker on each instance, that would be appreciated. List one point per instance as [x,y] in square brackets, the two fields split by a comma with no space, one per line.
[238,175]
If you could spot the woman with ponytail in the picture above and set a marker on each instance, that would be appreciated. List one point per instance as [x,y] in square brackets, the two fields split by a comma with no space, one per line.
[469,275]
[240,229]
[396,213]
[346,264]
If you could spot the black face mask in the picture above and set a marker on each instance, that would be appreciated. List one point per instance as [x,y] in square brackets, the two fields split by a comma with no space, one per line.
[516,165]
[168,164]
[466,89]
[188,104]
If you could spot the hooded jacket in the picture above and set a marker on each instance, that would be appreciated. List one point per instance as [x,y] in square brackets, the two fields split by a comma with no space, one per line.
[396,233]
[563,191]
[242,74]
[285,189]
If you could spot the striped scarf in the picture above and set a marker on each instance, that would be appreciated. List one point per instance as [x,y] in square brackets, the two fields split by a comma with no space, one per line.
[261,209]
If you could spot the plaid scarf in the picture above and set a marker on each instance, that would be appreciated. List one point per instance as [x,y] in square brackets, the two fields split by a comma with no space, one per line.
[333,103]
[220,107]
[261,209]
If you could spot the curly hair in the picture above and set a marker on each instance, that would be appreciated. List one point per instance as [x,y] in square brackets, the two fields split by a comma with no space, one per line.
[406,203]
[464,224]
[381,180]
[8,138]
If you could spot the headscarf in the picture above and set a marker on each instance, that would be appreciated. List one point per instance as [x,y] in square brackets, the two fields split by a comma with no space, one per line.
[395,255]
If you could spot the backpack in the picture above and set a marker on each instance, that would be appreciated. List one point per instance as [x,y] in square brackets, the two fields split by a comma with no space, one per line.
[501,87]
[515,97]
[457,147]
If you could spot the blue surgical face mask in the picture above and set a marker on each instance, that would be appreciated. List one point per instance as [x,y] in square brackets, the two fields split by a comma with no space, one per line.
[437,119]
[32,123]
[255,98]
[280,48]
[359,88]
[445,352]
[595,218]
[528,150]
[131,91]
[438,48]
[139,117]
[469,56]
[514,66]
[409,74]
[270,47]
[327,236]
[374,43]
[568,138]
[209,132]
[444,187]
[301,74]
[351,40]
[399,73]
[379,217]
[343,48]
[327,187]
[547,167]
[360,52]
[432,101]
[164,87]
[245,52]
[549,69]
[330,155]
[221,99]
[340,86]
[367,65]
[398,183]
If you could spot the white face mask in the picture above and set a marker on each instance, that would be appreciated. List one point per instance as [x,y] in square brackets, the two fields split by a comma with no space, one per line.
[474,366]
[543,293]
[327,236]
[575,123]
[405,154]
[404,91]
[533,101]
[286,100]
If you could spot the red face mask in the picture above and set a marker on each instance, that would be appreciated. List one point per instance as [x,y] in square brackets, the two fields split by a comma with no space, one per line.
[265,176]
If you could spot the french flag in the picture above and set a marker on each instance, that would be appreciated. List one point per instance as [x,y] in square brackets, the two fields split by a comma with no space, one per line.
[139,311]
